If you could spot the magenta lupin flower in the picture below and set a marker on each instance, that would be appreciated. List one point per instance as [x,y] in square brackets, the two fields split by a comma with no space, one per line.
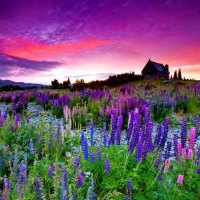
[190,153]
[192,138]
[184,154]
[167,165]
[180,178]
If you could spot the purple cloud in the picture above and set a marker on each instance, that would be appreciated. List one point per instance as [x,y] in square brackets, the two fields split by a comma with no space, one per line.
[8,64]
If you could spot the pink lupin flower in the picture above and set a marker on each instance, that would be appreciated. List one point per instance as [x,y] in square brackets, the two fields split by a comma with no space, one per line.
[184,155]
[192,138]
[180,178]
[190,154]
[167,165]
[179,148]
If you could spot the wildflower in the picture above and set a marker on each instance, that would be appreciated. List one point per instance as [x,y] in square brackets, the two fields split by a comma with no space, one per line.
[198,171]
[104,135]
[7,186]
[113,128]
[50,171]
[64,185]
[80,179]
[107,165]
[167,153]
[92,157]
[130,125]
[85,149]
[165,133]
[135,132]
[17,119]
[192,138]
[1,121]
[91,194]
[179,148]
[23,170]
[98,154]
[27,120]
[139,149]
[190,153]
[39,188]
[167,165]
[129,186]
[118,131]
[184,154]
[76,163]
[184,133]
[91,133]
[158,135]
[11,128]
[176,146]
[180,178]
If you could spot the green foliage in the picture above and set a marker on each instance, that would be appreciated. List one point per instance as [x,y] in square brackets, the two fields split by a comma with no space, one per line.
[160,112]
[181,105]
[123,167]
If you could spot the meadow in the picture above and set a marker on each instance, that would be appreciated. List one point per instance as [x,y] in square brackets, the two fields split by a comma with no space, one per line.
[137,141]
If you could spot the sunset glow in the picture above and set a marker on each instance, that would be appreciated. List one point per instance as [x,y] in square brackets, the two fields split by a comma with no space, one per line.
[91,39]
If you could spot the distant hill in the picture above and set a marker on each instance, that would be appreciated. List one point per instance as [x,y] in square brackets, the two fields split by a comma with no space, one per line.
[20,84]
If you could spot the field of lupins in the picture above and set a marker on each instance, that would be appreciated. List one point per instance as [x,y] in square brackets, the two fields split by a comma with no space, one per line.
[137,141]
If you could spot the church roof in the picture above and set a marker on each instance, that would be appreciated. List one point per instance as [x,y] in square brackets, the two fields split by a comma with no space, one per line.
[158,66]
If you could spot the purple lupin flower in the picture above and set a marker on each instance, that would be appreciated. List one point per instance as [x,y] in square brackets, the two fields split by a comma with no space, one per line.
[51,140]
[148,137]
[17,119]
[158,135]
[168,149]
[118,131]
[91,193]
[82,140]
[184,133]
[98,153]
[139,149]
[77,162]
[11,128]
[107,165]
[38,188]
[129,186]
[113,127]
[50,171]
[165,133]
[130,125]
[147,117]
[23,172]
[196,125]
[176,146]
[135,133]
[91,133]
[198,155]
[5,115]
[85,149]
[91,157]
[6,191]
[27,120]
[1,120]
[198,171]
[31,145]
[80,179]
[64,185]
[104,135]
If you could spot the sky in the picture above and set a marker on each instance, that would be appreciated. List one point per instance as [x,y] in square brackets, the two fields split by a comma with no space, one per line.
[42,40]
